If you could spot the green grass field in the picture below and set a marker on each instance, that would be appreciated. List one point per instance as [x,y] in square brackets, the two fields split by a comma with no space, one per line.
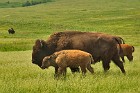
[19,75]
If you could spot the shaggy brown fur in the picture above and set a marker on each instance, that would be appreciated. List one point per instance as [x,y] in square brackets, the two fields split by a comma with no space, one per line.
[119,39]
[100,46]
[69,58]
[127,51]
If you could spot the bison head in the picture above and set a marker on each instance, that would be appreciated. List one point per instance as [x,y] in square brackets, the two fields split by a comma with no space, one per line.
[39,52]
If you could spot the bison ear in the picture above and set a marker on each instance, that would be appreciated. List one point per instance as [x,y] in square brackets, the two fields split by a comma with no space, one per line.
[40,43]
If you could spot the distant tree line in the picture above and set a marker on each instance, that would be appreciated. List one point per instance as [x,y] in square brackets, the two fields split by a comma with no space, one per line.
[34,2]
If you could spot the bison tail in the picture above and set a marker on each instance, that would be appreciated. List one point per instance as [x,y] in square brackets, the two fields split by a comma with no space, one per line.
[133,49]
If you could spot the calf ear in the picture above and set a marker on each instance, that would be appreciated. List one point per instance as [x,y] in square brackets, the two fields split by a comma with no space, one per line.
[53,56]
[133,49]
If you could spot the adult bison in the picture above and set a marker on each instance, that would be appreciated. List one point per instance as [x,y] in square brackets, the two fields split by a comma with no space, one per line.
[100,46]
[11,31]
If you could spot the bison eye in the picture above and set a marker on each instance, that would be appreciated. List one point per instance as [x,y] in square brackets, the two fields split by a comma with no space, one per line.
[35,48]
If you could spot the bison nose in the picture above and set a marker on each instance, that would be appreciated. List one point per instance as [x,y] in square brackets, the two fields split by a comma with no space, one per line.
[33,61]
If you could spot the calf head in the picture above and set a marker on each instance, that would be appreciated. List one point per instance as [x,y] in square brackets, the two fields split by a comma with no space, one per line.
[46,62]
[130,56]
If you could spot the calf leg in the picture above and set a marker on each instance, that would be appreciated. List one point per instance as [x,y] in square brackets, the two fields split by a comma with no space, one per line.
[64,72]
[74,69]
[83,69]
[90,68]
[56,72]
[60,71]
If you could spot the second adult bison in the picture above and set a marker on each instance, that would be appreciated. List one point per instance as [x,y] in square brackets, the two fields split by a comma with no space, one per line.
[69,58]
[11,31]
[100,46]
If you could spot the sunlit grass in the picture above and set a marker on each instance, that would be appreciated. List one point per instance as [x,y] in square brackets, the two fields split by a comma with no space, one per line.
[18,74]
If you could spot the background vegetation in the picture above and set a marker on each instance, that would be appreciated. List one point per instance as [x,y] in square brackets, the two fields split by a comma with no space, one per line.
[19,75]
[22,3]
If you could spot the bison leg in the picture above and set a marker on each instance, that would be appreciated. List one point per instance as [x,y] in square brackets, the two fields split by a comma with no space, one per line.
[74,69]
[123,59]
[90,68]
[106,65]
[119,63]
[83,69]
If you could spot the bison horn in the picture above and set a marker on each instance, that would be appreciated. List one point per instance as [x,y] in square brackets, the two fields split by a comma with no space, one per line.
[41,43]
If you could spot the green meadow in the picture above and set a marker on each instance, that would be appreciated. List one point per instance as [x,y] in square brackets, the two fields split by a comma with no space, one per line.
[19,75]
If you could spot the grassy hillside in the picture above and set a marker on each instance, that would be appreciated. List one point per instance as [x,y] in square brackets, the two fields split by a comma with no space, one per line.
[21,3]
[118,17]
[19,75]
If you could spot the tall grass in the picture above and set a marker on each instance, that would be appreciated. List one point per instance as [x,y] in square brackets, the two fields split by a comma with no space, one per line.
[19,75]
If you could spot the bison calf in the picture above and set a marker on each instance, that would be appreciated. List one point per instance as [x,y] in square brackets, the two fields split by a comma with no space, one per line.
[69,58]
[127,51]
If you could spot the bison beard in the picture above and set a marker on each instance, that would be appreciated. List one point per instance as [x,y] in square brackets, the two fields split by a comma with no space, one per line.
[101,46]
